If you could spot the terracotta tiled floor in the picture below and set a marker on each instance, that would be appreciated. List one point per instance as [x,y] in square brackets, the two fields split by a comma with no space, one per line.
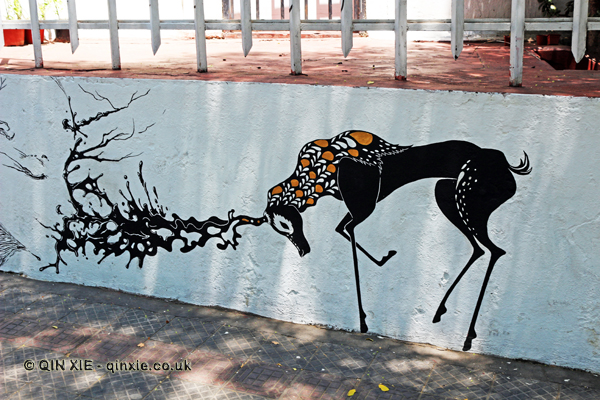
[482,67]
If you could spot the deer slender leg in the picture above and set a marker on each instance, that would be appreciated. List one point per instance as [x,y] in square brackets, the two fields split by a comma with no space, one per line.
[496,254]
[340,229]
[482,186]
[445,197]
[359,187]
[363,325]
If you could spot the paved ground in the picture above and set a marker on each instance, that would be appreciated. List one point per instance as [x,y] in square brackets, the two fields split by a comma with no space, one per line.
[102,338]
[482,67]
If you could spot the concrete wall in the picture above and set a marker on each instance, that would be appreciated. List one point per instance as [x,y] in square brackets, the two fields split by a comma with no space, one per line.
[209,147]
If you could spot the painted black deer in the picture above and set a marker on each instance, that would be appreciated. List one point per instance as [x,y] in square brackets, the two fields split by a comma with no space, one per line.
[361,169]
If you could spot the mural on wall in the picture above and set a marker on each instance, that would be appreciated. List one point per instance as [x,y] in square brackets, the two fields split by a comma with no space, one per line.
[135,226]
[361,169]
[356,167]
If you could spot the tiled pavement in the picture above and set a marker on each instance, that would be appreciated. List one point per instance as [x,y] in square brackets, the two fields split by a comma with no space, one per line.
[83,343]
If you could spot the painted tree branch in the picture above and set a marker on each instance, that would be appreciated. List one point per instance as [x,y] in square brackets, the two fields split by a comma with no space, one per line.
[138,227]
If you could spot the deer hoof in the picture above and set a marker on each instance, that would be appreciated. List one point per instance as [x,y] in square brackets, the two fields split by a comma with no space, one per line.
[438,315]
[468,342]
[363,327]
[385,259]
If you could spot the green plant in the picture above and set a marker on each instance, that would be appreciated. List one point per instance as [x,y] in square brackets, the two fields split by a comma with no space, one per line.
[53,7]
[548,8]
[14,10]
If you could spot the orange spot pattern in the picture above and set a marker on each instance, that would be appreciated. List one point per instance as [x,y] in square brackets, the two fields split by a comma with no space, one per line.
[294,182]
[331,168]
[310,201]
[353,152]
[299,193]
[328,156]
[312,175]
[305,163]
[322,143]
[277,190]
[319,189]
[364,138]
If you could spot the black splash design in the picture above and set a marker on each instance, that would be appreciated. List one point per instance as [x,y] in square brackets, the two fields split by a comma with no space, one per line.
[138,227]
[21,168]
[9,245]
[4,129]
[16,165]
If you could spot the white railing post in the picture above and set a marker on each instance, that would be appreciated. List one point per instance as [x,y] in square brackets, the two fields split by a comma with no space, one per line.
[295,36]
[401,28]
[200,25]
[246,26]
[113,26]
[1,30]
[154,25]
[517,33]
[35,34]
[73,28]
[580,20]
[458,27]
[346,27]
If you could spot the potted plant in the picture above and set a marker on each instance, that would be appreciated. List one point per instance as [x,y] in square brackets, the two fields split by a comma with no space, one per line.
[42,7]
[549,10]
[56,8]
[14,37]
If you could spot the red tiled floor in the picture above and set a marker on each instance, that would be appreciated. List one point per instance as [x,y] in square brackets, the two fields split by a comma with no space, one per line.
[482,67]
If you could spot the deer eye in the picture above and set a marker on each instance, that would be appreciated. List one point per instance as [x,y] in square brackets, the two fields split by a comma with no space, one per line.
[282,224]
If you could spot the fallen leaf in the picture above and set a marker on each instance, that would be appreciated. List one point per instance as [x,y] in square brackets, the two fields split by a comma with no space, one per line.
[275,342]
[141,345]
[369,339]
[383,388]
[351,392]
[55,327]
[370,82]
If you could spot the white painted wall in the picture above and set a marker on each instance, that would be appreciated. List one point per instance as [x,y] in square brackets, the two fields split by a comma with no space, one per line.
[218,146]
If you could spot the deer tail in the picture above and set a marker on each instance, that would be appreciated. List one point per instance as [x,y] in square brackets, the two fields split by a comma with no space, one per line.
[524,167]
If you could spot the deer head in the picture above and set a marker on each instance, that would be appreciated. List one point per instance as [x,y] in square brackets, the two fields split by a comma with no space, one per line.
[287,221]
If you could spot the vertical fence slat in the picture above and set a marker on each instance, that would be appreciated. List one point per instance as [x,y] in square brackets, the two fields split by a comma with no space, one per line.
[517,36]
[401,28]
[35,34]
[330,9]
[457,27]
[202,63]
[113,27]
[580,20]
[346,27]
[154,25]
[246,26]
[73,28]
[295,49]
[1,31]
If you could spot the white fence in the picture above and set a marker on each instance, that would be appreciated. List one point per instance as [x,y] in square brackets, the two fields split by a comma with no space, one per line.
[517,25]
